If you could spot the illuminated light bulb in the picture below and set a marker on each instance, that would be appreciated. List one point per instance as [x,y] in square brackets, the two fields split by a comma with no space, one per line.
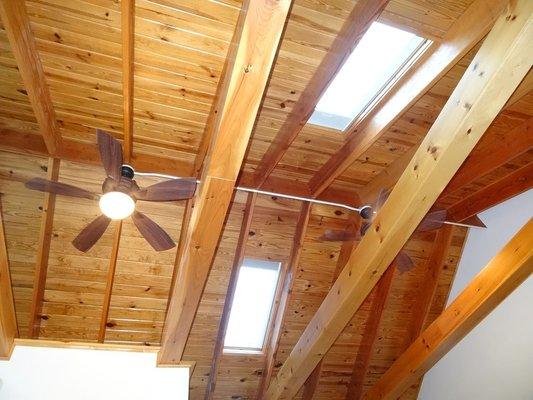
[116,205]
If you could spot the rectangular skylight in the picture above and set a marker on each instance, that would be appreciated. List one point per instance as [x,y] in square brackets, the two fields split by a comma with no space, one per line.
[252,305]
[381,55]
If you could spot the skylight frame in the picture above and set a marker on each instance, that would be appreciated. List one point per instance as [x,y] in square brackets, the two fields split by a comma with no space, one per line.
[278,267]
[384,90]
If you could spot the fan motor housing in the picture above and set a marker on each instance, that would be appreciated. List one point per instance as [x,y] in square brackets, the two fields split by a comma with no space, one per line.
[127,171]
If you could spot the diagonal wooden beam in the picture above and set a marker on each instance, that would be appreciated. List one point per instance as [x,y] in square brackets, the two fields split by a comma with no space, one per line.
[128,62]
[464,34]
[237,262]
[513,184]
[501,63]
[370,335]
[503,274]
[17,26]
[259,34]
[363,14]
[43,251]
[288,280]
[8,320]
[109,282]
[353,225]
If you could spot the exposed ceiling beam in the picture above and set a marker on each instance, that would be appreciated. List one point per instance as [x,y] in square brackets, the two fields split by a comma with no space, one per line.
[501,63]
[43,251]
[128,62]
[504,273]
[228,301]
[260,32]
[513,184]
[8,320]
[363,14]
[370,335]
[464,34]
[27,143]
[289,273]
[109,282]
[17,26]
[353,226]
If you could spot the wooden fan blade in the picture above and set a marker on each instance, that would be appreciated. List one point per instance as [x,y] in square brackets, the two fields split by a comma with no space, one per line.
[403,262]
[153,233]
[474,221]
[110,153]
[338,236]
[433,220]
[91,233]
[45,185]
[174,189]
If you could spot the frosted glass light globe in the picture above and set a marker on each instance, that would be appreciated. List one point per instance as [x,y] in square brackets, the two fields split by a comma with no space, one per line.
[116,205]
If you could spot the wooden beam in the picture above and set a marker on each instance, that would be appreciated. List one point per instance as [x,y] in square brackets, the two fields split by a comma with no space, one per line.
[513,184]
[110,280]
[504,273]
[17,26]
[128,62]
[288,280]
[353,225]
[237,262]
[43,251]
[260,32]
[464,34]
[501,63]
[363,14]
[8,320]
[370,335]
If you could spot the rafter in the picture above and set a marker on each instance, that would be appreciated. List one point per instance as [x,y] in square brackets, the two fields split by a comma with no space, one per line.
[128,62]
[8,320]
[288,280]
[501,63]
[224,320]
[363,14]
[465,33]
[504,273]
[17,26]
[109,282]
[258,39]
[43,251]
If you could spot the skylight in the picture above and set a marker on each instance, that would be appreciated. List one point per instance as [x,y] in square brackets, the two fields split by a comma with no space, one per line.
[383,53]
[252,305]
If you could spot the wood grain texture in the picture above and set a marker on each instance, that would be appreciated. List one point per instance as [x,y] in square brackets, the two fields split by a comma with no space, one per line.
[504,59]
[504,273]
[364,13]
[258,42]
[17,25]
[8,321]
[465,33]
[43,252]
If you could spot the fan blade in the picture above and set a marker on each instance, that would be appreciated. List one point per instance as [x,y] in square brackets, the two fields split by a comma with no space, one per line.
[153,233]
[403,262]
[174,189]
[91,233]
[110,154]
[338,236]
[433,220]
[474,221]
[44,185]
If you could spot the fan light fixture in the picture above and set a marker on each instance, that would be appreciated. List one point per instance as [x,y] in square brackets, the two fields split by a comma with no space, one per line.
[116,205]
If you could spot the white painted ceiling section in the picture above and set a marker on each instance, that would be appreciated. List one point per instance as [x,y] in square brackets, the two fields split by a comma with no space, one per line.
[64,374]
[494,361]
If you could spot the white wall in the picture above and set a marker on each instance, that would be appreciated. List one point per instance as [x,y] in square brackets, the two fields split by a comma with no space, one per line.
[494,361]
[66,374]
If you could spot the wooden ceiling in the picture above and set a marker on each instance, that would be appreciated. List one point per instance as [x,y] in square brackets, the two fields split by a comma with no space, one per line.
[119,291]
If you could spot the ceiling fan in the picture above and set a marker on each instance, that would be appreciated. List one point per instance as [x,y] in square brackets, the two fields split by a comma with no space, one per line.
[120,194]
[433,220]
